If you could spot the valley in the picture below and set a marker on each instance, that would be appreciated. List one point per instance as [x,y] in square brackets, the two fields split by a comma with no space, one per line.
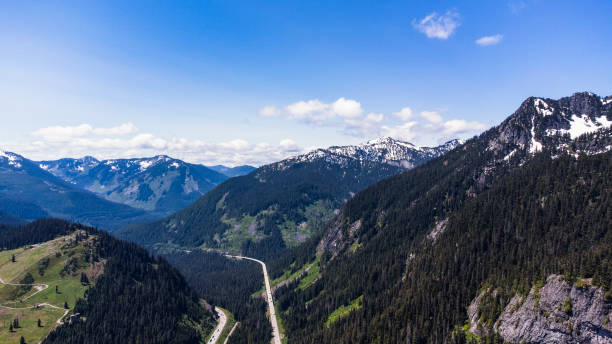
[306,172]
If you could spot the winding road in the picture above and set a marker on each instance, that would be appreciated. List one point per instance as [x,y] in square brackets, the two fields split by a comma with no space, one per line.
[39,288]
[219,329]
[273,322]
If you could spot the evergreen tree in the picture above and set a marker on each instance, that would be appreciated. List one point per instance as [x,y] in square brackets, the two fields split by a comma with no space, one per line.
[66,305]
[13,258]
[11,328]
[22,340]
[84,279]
[39,323]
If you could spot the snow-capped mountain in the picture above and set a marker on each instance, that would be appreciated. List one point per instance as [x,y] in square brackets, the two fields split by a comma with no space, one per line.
[158,184]
[69,169]
[10,160]
[543,124]
[282,204]
[385,150]
[29,192]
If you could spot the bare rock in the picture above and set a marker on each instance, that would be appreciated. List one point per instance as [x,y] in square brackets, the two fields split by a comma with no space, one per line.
[557,313]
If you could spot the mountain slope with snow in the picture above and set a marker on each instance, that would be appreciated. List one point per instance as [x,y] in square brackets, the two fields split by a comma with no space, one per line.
[523,200]
[29,192]
[160,184]
[282,204]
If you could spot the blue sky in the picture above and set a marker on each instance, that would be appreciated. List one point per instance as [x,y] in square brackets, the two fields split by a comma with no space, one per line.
[252,82]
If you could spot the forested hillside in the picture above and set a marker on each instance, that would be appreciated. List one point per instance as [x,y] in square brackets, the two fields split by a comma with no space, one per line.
[282,204]
[405,257]
[230,284]
[129,296]
[550,217]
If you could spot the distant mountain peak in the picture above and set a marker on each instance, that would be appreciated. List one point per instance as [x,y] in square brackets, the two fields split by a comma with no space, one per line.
[387,140]
[548,124]
[12,159]
[385,150]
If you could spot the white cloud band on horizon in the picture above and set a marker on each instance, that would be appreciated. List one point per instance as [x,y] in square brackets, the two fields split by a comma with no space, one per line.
[346,115]
[59,133]
[124,141]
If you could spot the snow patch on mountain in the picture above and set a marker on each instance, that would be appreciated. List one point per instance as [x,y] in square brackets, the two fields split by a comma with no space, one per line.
[535,145]
[542,107]
[144,164]
[580,125]
[12,159]
[384,150]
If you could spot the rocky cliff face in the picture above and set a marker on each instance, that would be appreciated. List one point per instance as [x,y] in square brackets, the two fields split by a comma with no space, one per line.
[557,312]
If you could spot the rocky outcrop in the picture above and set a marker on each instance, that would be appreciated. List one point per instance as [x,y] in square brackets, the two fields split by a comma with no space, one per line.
[438,229]
[556,312]
[336,238]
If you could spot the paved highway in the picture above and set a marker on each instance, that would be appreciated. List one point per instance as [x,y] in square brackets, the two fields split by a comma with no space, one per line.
[273,322]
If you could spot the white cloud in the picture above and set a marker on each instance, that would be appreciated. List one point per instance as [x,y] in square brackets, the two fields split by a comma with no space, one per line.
[347,108]
[407,131]
[459,126]
[432,116]
[404,114]
[315,111]
[311,110]
[288,145]
[489,40]
[438,26]
[63,133]
[347,116]
[124,141]
[375,117]
[367,126]
[237,144]
[269,111]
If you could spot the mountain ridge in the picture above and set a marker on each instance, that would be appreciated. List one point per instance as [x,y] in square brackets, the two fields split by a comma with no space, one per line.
[359,260]
[159,184]
[29,192]
[283,203]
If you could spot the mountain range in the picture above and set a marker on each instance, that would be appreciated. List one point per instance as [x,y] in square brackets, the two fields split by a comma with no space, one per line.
[505,238]
[159,185]
[28,192]
[502,238]
[282,204]
[109,193]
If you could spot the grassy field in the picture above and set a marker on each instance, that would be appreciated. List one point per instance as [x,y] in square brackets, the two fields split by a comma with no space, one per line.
[344,310]
[60,263]
[307,274]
